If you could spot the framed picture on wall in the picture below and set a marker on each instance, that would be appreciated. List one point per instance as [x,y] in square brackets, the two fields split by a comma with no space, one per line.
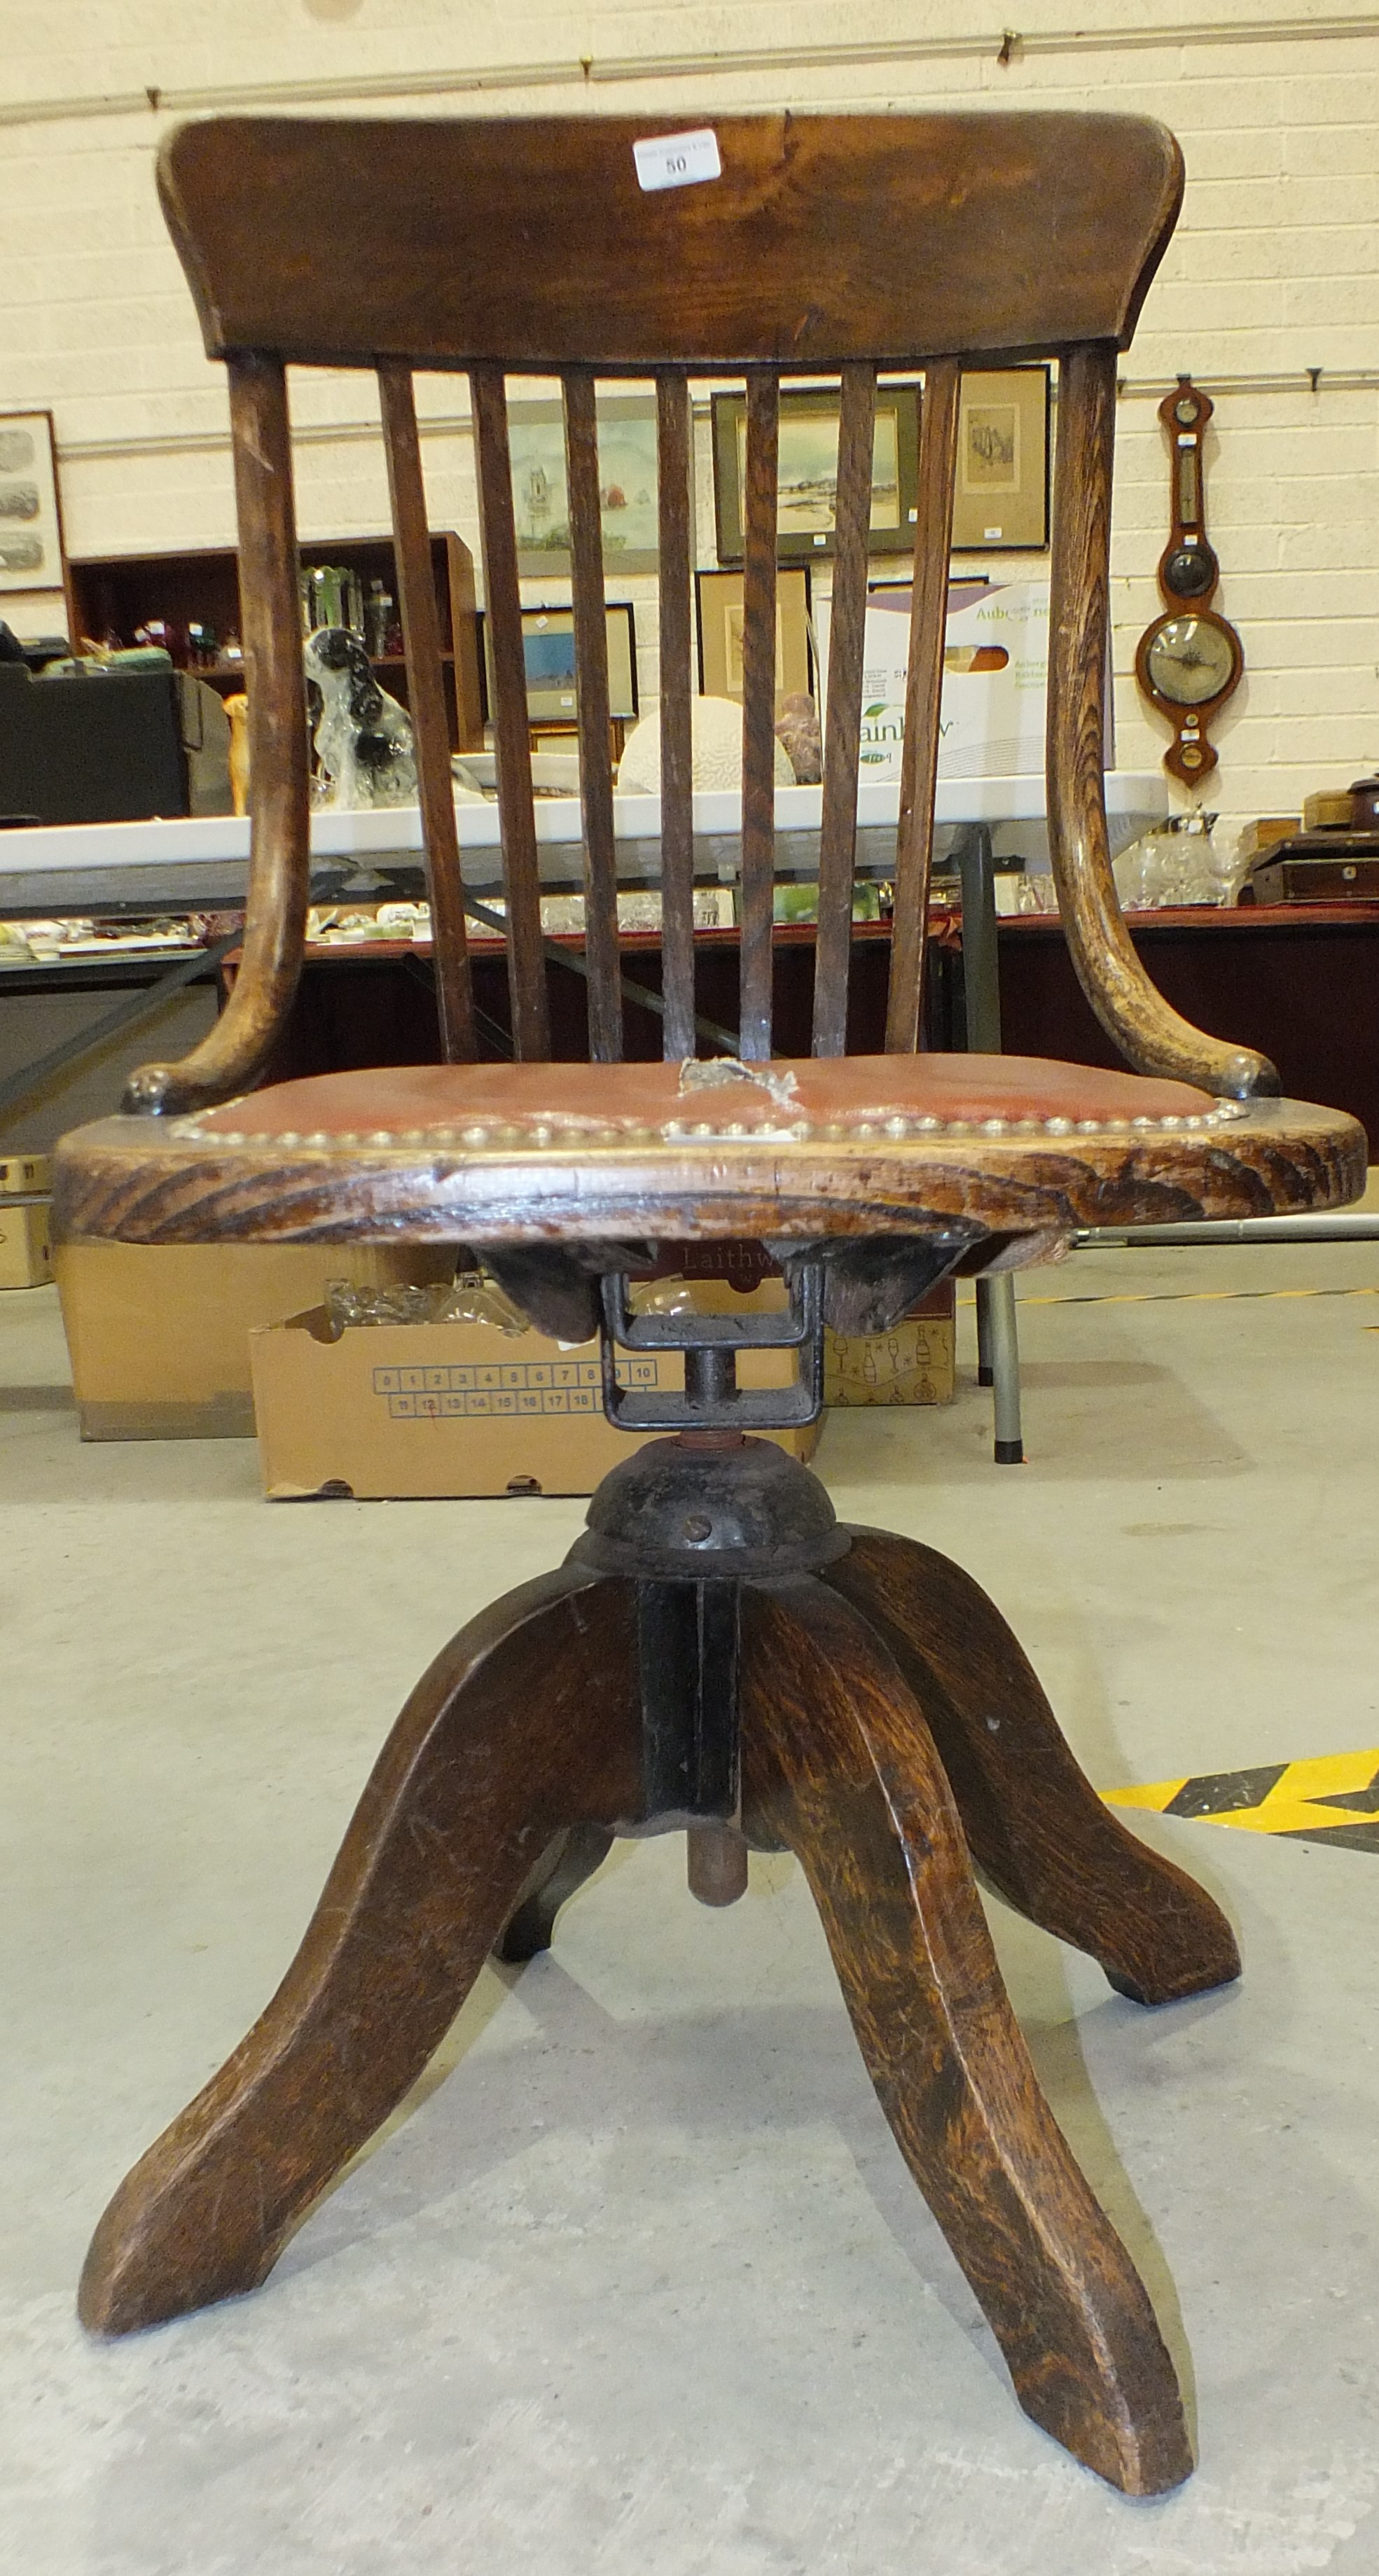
[32,555]
[718,607]
[807,472]
[627,485]
[548,651]
[1002,496]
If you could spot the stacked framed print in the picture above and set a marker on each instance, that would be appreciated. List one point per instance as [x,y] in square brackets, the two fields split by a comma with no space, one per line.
[548,653]
[718,606]
[1001,500]
[33,558]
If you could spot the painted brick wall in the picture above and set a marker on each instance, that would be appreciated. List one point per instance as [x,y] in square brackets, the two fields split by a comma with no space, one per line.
[1273,271]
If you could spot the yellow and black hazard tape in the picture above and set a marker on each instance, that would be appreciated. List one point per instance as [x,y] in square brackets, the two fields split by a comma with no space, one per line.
[1333,1798]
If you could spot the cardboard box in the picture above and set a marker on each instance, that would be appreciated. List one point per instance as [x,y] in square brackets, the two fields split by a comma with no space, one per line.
[995,677]
[25,1249]
[414,1411]
[27,1172]
[915,1363]
[158,1334]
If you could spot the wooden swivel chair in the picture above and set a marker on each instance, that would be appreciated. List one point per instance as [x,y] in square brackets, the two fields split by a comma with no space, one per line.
[716,1654]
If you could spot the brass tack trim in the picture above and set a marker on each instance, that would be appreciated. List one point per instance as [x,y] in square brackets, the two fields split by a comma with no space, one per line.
[908,1126]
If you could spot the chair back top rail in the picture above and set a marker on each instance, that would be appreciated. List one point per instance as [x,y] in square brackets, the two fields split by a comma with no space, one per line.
[830,244]
[530,243]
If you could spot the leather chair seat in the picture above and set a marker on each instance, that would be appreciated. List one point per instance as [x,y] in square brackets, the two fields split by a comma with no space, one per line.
[549,1153]
[601,1104]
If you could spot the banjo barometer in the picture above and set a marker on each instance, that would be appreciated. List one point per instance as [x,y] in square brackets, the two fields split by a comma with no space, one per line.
[1188,661]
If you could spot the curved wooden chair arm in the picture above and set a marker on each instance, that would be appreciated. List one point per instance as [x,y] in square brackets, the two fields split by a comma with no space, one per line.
[233,1054]
[1150,1034]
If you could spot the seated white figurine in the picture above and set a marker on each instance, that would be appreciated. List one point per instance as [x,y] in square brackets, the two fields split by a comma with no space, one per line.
[363,738]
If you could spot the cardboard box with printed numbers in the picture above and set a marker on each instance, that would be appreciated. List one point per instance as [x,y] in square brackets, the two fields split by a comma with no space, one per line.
[416,1411]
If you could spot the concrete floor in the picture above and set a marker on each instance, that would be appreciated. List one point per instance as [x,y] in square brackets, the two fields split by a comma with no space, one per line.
[645,2289]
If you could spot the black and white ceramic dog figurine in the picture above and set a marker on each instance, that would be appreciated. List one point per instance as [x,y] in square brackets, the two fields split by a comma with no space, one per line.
[363,738]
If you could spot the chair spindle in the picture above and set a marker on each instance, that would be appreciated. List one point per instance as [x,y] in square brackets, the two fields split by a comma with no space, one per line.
[759,713]
[674,454]
[591,692]
[426,697]
[847,624]
[914,839]
[531,1034]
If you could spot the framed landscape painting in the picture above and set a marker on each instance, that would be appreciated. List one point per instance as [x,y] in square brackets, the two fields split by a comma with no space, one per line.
[627,485]
[807,473]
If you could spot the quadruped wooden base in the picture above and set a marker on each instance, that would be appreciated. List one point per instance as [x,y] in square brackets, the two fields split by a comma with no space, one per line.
[890,1726]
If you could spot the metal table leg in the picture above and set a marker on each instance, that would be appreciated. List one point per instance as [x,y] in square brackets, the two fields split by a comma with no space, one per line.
[998,1349]
[998,1296]
[142,1004]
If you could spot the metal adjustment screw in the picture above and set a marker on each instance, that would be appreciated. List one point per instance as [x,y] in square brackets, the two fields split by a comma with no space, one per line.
[698,1527]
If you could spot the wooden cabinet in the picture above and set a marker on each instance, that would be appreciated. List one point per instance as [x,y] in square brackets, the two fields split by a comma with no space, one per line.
[113,595]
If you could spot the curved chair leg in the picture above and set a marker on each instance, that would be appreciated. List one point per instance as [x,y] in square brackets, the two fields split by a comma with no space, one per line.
[529,1718]
[1035,1824]
[838,1762]
[562,1868]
